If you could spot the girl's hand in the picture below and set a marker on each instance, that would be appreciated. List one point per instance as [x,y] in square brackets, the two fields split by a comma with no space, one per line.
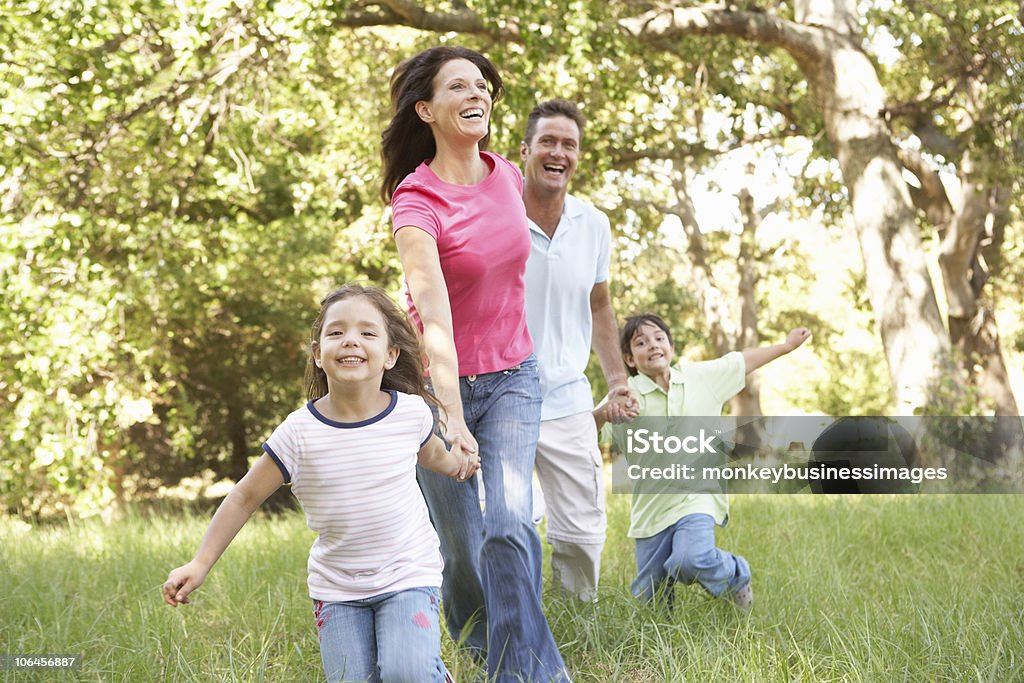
[463,446]
[182,581]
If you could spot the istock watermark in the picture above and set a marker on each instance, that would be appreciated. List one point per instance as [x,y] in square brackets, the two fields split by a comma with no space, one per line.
[643,441]
[853,454]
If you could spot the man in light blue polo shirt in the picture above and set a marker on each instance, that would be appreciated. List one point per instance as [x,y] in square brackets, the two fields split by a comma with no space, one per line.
[568,309]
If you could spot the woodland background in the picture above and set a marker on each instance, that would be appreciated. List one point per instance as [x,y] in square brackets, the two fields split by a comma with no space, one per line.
[181,182]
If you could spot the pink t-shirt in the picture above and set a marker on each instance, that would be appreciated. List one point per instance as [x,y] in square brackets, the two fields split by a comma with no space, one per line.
[483,241]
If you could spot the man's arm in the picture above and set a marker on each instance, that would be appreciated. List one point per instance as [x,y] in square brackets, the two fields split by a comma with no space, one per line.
[622,405]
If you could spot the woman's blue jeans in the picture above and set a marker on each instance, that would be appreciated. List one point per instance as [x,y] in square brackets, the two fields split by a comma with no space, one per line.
[394,637]
[492,575]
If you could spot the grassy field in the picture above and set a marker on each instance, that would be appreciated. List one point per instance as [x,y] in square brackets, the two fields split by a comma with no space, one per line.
[901,588]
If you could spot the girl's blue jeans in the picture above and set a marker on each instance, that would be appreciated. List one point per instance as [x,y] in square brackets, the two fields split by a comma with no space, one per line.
[393,637]
[492,575]
[686,552]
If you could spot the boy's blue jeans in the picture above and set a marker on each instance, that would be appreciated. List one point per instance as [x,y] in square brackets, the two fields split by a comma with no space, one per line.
[390,637]
[492,574]
[686,552]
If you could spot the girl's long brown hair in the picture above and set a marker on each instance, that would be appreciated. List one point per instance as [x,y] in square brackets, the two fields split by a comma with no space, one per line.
[407,374]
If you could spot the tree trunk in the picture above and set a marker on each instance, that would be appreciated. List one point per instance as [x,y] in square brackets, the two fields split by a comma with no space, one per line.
[970,251]
[238,462]
[981,215]
[750,437]
[726,337]
[715,307]
[901,294]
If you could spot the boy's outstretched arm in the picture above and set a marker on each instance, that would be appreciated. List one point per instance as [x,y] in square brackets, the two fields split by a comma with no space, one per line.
[435,457]
[759,355]
[248,494]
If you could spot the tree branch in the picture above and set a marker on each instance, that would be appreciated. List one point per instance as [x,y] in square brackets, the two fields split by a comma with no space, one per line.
[804,43]
[628,157]
[406,13]
[697,151]
[931,198]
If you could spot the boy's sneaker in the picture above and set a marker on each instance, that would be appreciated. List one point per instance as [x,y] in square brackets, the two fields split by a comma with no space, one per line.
[448,677]
[744,597]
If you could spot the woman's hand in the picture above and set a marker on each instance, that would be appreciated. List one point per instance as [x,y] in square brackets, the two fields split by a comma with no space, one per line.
[457,463]
[470,465]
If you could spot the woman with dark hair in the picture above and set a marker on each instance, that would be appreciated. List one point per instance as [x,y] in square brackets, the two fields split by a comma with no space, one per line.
[461,230]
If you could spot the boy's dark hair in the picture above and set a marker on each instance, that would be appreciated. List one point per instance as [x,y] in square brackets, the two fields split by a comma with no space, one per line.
[407,374]
[556,107]
[408,141]
[630,328]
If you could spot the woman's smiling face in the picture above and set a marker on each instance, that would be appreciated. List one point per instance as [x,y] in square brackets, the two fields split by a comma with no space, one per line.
[461,104]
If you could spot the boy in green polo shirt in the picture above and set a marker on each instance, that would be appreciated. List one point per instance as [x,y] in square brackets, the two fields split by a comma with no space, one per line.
[675,532]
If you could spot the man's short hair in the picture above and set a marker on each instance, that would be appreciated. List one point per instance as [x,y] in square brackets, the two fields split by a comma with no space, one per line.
[555,107]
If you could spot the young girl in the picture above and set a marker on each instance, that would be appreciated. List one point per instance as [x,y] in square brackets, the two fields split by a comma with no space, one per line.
[675,532]
[350,455]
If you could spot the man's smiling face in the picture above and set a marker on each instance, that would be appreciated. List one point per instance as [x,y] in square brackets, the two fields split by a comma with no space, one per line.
[550,156]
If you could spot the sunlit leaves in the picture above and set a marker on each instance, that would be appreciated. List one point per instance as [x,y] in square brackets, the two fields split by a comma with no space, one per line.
[180,182]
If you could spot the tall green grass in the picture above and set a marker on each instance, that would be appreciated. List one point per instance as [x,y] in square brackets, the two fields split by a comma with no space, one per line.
[902,588]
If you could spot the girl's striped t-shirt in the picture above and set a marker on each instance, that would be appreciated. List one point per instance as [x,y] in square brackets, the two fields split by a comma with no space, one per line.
[356,482]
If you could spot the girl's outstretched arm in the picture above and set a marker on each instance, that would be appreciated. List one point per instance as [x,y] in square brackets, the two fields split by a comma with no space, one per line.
[434,456]
[263,479]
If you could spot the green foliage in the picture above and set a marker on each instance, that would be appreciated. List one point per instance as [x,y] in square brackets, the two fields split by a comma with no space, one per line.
[180,183]
[836,394]
[962,65]
[183,189]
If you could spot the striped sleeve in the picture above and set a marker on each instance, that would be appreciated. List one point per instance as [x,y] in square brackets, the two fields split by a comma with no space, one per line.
[281,447]
[427,428]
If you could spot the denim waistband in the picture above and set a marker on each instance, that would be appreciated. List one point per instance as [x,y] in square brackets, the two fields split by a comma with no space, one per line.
[530,360]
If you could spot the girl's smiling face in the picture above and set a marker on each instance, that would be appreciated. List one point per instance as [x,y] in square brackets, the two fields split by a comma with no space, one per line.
[650,351]
[353,344]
